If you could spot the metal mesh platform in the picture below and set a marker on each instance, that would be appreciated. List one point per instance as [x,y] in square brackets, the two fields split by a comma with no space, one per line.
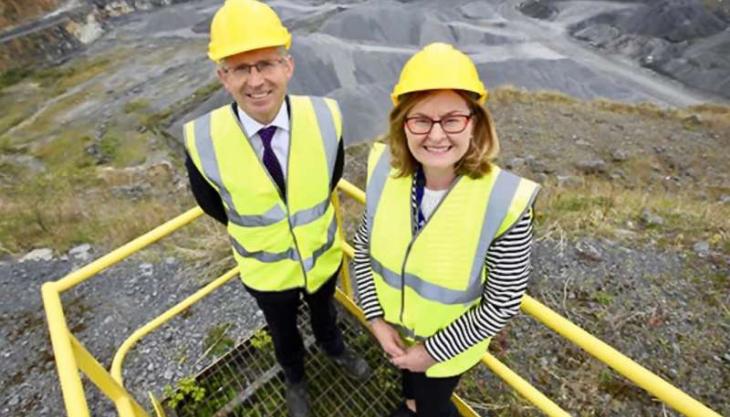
[247,381]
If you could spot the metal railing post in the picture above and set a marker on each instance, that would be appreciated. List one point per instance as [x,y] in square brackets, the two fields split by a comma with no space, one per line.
[68,372]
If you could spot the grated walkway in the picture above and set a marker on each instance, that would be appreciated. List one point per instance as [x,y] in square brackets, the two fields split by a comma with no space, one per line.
[247,381]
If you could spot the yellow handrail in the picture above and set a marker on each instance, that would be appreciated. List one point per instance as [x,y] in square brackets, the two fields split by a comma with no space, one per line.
[531,394]
[68,370]
[69,353]
[164,318]
[75,278]
[641,376]
[524,388]
[71,357]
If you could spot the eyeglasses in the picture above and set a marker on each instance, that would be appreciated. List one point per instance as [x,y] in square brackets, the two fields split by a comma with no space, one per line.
[421,125]
[265,68]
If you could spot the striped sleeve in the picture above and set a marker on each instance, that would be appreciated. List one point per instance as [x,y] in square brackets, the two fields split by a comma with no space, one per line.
[508,268]
[364,274]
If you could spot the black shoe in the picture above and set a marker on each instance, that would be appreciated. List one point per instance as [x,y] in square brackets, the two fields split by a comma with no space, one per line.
[402,411]
[297,401]
[353,365]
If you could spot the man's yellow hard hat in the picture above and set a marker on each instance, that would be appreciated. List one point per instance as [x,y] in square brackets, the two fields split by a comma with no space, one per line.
[439,66]
[245,25]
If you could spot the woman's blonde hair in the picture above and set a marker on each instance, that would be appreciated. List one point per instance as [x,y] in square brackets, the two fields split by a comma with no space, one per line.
[483,145]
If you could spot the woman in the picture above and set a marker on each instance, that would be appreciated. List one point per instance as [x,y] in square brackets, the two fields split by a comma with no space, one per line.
[443,252]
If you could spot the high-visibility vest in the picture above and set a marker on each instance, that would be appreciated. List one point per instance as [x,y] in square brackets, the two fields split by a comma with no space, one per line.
[278,245]
[425,282]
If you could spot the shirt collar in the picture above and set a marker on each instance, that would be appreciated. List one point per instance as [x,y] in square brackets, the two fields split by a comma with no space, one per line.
[251,126]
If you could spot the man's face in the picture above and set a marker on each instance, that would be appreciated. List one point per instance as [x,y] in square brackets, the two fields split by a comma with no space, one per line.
[258,81]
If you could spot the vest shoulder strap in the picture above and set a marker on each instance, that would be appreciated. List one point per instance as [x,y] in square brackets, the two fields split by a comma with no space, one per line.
[329,121]
[522,201]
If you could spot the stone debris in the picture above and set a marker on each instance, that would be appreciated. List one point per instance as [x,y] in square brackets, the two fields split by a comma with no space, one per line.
[650,219]
[701,248]
[42,254]
[619,155]
[594,166]
[81,252]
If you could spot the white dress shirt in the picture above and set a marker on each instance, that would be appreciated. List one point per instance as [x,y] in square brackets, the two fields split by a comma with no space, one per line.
[280,141]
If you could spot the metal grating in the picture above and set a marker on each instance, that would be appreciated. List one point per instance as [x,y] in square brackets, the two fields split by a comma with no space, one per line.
[247,381]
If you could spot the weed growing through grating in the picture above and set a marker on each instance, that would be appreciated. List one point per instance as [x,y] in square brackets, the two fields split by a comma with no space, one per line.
[248,382]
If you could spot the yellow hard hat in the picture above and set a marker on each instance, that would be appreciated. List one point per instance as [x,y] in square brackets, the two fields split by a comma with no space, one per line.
[245,25]
[439,66]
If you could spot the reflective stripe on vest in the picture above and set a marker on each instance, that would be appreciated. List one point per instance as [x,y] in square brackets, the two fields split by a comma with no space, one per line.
[329,133]
[499,202]
[290,253]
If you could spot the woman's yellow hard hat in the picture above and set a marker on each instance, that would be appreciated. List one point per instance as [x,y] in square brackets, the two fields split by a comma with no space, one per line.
[245,25]
[439,66]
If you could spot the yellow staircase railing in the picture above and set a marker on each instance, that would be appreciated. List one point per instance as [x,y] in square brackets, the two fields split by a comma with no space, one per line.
[72,357]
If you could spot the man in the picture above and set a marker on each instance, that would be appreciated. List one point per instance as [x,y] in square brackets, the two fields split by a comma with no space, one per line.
[266,166]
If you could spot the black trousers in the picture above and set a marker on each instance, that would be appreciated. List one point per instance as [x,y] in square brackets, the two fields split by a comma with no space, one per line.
[280,310]
[432,395]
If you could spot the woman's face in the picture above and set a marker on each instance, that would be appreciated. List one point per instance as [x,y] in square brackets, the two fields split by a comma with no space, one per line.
[439,129]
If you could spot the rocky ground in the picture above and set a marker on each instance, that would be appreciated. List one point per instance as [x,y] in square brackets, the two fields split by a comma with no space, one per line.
[629,297]
[632,222]
[693,51]
[102,313]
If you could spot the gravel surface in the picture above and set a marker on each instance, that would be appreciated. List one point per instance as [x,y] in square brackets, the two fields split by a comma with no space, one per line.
[645,302]
[627,287]
[102,313]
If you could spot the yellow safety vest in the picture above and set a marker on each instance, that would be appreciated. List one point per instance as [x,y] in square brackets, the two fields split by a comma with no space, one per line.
[425,282]
[278,245]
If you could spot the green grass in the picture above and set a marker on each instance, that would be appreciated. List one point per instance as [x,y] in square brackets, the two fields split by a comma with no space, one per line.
[217,342]
[59,79]
[65,152]
[63,208]
[158,120]
[13,76]
[600,208]
[123,149]
[135,106]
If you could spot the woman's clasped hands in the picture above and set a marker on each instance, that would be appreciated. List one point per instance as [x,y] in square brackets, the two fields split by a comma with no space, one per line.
[414,358]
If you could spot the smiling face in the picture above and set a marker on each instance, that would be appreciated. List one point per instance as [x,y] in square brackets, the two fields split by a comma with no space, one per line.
[260,92]
[438,150]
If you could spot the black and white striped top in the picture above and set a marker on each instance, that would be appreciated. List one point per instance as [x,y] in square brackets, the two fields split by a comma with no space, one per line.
[508,268]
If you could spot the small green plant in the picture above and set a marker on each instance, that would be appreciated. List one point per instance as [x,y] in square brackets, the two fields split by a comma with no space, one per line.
[13,76]
[602,297]
[261,339]
[136,106]
[156,120]
[217,342]
[109,146]
[187,388]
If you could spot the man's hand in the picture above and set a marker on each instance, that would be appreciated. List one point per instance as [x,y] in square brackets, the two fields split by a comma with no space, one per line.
[416,359]
[388,338]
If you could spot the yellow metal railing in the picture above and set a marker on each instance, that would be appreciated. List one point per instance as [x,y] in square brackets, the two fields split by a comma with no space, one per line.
[71,357]
[641,376]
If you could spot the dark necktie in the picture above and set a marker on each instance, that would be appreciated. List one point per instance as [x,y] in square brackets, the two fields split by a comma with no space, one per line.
[270,161]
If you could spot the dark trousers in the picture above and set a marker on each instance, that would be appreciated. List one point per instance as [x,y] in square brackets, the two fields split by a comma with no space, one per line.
[432,395]
[280,310]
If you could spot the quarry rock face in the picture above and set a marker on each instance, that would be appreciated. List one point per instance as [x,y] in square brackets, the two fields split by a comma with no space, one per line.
[48,31]
[14,12]
[683,39]
[353,50]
